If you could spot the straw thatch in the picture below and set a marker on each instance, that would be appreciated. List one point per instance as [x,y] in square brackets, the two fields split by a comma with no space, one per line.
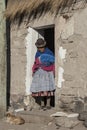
[35,8]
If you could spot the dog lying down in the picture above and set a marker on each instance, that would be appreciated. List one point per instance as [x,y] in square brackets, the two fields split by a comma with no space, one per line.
[15,120]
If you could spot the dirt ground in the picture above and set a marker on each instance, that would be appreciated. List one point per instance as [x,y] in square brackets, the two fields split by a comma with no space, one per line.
[38,122]
[32,126]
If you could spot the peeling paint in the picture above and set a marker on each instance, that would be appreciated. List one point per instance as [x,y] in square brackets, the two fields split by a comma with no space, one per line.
[60,77]
[28,55]
[62,53]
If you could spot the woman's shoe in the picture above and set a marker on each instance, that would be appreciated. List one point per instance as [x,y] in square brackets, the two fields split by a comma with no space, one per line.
[44,108]
[48,107]
[41,107]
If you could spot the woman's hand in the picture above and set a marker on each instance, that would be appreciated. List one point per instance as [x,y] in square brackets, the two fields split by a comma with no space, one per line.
[32,74]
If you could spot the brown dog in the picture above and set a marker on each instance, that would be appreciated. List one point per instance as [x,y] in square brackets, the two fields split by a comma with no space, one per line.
[16,120]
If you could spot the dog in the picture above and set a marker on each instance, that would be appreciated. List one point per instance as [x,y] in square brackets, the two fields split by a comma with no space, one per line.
[15,120]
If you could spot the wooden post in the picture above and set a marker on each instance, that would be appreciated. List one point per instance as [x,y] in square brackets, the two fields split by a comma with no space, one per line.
[3,65]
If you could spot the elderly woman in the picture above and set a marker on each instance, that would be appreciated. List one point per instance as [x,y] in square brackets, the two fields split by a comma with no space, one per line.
[43,84]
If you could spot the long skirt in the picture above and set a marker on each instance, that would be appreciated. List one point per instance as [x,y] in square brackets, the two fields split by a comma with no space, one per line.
[43,83]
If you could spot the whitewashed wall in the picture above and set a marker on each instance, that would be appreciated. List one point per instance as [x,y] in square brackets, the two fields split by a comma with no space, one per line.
[31,38]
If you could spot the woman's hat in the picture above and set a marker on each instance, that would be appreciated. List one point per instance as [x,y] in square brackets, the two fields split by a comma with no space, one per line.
[40,43]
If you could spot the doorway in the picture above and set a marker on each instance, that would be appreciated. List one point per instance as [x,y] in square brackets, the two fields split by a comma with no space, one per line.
[48,34]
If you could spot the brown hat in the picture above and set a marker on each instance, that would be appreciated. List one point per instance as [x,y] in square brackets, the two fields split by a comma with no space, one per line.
[40,43]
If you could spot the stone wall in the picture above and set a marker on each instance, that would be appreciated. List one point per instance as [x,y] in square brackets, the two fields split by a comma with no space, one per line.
[18,62]
[70,53]
[72,36]
[2,60]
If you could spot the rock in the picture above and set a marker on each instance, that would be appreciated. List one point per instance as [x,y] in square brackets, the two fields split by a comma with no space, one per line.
[31,102]
[28,108]
[66,122]
[59,114]
[82,116]
[70,123]
[64,103]
[18,110]
[85,123]
[74,115]
[85,99]
[63,114]
[57,126]
[79,107]
[85,107]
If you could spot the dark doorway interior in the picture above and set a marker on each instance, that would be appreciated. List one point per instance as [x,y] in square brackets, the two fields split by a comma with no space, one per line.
[48,34]
[49,37]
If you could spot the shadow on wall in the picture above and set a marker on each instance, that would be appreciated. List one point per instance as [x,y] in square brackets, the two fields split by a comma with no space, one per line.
[8,59]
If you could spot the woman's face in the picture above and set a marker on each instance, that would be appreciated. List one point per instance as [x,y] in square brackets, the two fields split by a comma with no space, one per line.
[42,49]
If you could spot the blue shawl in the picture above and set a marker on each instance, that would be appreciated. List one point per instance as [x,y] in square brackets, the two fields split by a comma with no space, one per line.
[47,51]
[46,57]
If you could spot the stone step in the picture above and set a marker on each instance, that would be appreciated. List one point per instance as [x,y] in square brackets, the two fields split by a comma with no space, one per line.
[37,116]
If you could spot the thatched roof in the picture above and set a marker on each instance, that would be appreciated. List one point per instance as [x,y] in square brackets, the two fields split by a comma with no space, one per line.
[35,8]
